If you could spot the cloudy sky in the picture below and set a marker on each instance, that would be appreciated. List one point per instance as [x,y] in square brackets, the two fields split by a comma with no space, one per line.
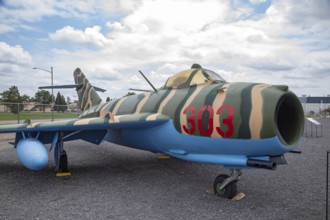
[278,42]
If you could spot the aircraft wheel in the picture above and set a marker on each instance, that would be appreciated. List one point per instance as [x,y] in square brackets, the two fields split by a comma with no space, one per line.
[63,162]
[229,191]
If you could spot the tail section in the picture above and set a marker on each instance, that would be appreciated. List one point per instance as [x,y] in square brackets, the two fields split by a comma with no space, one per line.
[87,94]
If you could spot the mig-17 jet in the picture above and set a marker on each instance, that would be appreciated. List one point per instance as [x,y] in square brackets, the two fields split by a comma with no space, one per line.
[196,116]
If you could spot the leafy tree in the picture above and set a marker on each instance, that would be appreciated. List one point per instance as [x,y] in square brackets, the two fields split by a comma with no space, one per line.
[60,103]
[26,98]
[43,97]
[12,96]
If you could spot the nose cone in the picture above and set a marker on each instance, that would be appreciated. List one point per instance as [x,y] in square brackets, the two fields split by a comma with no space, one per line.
[276,111]
[32,154]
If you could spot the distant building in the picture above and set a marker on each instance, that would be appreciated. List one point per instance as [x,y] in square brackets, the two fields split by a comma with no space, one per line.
[315,105]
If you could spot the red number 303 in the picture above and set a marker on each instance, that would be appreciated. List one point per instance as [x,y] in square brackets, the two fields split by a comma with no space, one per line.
[227,121]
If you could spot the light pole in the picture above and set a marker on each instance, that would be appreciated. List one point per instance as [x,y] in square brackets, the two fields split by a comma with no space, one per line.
[51,72]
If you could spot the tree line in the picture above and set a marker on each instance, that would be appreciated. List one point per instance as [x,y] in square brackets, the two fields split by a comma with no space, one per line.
[42,97]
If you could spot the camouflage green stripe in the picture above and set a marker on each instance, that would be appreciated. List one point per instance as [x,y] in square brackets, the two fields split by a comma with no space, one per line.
[172,106]
[210,97]
[100,106]
[246,107]
[129,105]
[113,104]
[134,117]
[109,106]
[83,100]
[142,102]
[53,124]
[234,99]
[198,101]
[268,111]
[10,127]
[180,118]
[118,104]
[154,99]
[166,100]
[163,97]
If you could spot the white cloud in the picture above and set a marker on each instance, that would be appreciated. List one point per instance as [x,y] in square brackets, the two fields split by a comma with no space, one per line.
[287,44]
[89,35]
[14,55]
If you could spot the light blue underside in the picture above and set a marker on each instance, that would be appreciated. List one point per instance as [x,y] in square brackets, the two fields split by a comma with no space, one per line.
[232,153]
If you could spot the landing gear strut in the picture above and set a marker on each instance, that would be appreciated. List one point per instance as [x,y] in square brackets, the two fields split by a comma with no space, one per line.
[225,186]
[61,159]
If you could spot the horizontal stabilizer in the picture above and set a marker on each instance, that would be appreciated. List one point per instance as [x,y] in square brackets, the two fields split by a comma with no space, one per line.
[140,90]
[73,86]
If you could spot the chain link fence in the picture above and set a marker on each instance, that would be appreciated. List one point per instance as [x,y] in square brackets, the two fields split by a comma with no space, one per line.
[11,113]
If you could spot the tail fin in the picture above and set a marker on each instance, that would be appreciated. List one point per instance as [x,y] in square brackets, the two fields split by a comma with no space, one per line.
[86,93]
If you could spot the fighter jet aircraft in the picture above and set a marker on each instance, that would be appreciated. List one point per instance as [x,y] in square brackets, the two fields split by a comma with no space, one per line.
[196,116]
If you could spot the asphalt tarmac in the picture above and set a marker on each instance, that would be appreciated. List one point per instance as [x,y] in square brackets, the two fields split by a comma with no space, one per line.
[114,182]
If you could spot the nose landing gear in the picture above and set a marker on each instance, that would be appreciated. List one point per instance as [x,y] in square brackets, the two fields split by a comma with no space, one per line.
[225,185]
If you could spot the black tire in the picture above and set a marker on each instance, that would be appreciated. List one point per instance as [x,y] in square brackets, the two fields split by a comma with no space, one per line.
[229,191]
[63,162]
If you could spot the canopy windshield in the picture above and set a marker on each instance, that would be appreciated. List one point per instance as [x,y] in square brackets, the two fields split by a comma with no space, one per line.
[193,77]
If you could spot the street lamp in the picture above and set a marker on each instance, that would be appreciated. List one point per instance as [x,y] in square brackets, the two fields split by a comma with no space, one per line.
[51,72]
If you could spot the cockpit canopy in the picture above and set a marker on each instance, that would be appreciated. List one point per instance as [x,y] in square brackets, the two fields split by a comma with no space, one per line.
[194,76]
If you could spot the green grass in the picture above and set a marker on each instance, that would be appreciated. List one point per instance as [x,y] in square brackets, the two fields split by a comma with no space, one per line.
[6,116]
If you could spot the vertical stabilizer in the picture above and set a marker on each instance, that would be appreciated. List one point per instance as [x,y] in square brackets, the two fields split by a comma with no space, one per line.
[87,95]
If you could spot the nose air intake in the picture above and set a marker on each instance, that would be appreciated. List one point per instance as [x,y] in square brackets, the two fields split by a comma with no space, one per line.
[289,119]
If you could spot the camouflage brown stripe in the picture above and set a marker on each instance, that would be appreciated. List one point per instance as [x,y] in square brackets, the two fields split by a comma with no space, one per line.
[246,106]
[119,103]
[183,117]
[256,117]
[142,102]
[217,103]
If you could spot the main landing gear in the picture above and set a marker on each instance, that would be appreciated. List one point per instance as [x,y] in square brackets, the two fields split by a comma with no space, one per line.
[225,186]
[61,159]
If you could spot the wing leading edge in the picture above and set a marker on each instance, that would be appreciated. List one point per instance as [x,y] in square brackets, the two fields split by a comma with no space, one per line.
[86,127]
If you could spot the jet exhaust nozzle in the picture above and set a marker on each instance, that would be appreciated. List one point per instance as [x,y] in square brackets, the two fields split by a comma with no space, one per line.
[32,154]
[270,165]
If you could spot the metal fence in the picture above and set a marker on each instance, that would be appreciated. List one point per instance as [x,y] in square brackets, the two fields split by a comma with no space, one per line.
[18,112]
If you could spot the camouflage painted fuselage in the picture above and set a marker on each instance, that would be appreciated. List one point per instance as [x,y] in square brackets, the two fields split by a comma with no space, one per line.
[195,116]
[215,109]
